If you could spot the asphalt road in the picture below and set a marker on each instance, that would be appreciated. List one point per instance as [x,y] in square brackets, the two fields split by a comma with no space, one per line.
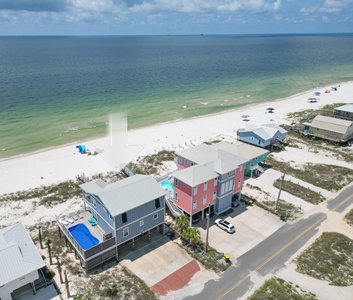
[342,201]
[267,257]
[270,255]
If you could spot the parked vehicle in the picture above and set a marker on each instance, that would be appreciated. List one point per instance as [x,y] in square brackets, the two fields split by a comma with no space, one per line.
[225,225]
[195,218]
[235,203]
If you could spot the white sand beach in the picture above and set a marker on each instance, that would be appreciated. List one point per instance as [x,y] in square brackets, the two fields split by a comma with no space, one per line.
[62,163]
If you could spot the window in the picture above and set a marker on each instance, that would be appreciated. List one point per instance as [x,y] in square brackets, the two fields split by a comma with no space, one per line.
[105,210]
[124,217]
[222,189]
[126,231]
[155,216]
[215,182]
[110,217]
[195,190]
[239,184]
[142,222]
[176,196]
[94,202]
[204,200]
[214,195]
[241,167]
[180,159]
[194,204]
[259,142]
[205,186]
[176,182]
[186,162]
[157,204]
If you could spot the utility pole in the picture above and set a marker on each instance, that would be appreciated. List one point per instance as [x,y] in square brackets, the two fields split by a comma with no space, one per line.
[208,216]
[280,189]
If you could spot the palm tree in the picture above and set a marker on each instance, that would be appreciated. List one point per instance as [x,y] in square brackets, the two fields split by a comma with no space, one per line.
[192,234]
[182,224]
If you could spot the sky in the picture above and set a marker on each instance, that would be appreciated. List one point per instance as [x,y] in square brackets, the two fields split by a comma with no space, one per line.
[174,17]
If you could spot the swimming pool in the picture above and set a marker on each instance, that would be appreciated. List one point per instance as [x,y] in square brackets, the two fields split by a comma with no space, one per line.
[167,185]
[83,236]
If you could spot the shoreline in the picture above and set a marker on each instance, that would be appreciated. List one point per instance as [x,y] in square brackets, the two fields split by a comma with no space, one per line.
[60,163]
[245,106]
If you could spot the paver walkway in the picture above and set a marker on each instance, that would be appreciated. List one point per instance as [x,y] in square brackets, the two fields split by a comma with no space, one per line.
[176,280]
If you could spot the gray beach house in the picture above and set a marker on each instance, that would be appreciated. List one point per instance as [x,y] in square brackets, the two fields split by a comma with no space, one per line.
[115,215]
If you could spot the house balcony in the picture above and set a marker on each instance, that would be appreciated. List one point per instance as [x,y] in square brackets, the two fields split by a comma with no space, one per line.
[90,257]
[322,136]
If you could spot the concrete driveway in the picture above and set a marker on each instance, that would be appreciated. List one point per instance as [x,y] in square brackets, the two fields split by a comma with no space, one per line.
[156,259]
[252,224]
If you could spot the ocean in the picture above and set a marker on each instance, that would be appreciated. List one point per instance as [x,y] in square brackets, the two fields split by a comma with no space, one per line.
[59,90]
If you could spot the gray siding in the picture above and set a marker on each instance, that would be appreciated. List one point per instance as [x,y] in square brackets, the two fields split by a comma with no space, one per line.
[224,195]
[135,227]
[252,138]
[143,213]
[100,213]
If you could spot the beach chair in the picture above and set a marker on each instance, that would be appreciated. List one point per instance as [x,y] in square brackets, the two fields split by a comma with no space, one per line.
[63,222]
[69,219]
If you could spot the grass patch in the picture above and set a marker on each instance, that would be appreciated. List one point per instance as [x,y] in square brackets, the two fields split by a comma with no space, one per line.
[279,289]
[54,194]
[329,258]
[299,191]
[151,164]
[328,177]
[283,206]
[349,217]
[309,114]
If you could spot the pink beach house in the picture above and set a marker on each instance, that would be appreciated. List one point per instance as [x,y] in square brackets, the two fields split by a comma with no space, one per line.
[207,177]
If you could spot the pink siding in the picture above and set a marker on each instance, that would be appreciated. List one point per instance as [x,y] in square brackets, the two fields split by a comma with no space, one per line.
[181,165]
[186,197]
[239,176]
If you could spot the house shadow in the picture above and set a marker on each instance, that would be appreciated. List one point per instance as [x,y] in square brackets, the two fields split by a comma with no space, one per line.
[142,245]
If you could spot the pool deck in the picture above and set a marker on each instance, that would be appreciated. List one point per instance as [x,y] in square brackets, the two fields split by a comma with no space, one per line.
[82,218]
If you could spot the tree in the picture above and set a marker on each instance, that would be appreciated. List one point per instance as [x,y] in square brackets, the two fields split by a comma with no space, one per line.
[182,223]
[193,235]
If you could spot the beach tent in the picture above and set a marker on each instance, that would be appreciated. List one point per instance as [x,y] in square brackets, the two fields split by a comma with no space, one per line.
[81,148]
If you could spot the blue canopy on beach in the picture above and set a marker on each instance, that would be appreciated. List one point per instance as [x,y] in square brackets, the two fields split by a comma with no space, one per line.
[317,93]
[81,148]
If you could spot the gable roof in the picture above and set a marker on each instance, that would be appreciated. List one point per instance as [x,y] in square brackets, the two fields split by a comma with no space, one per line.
[124,195]
[331,124]
[345,108]
[18,254]
[197,174]
[241,149]
[265,131]
[223,161]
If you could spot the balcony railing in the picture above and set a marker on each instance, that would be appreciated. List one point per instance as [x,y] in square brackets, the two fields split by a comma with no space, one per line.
[85,254]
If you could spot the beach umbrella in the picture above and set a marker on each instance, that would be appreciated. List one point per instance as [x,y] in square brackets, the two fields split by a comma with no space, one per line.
[270,108]
[317,93]
[245,116]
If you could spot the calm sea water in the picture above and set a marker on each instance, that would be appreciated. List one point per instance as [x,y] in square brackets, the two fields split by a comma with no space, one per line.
[56,90]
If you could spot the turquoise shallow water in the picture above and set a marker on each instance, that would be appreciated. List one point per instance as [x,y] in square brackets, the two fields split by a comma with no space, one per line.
[57,90]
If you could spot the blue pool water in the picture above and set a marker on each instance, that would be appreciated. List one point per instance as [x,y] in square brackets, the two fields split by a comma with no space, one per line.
[168,185]
[83,236]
